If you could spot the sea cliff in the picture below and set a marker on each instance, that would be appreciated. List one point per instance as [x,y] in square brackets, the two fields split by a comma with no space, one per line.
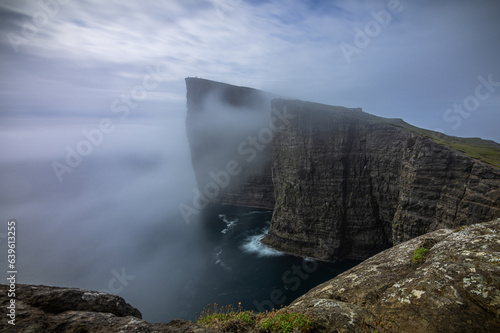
[342,183]
[349,184]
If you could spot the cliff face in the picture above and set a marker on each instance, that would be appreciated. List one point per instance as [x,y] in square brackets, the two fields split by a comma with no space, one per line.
[456,288]
[347,184]
[223,122]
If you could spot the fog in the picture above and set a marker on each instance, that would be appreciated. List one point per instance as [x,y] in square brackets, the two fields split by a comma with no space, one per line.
[116,213]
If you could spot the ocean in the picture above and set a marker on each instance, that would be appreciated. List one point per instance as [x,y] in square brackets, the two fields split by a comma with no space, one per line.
[243,270]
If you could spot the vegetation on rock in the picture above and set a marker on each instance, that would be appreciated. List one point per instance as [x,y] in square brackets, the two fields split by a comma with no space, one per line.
[419,255]
[228,319]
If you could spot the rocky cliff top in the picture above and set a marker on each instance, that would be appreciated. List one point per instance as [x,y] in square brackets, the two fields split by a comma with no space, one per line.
[455,287]
[55,309]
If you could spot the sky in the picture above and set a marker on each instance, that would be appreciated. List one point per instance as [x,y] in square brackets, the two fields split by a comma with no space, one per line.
[72,58]
[94,156]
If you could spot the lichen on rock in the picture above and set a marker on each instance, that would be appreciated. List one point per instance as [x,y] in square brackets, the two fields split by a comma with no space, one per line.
[456,289]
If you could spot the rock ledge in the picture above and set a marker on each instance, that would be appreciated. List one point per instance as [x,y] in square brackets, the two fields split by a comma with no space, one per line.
[456,289]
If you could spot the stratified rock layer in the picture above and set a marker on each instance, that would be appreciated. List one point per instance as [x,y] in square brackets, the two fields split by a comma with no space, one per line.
[342,183]
[349,184]
[55,309]
[456,289]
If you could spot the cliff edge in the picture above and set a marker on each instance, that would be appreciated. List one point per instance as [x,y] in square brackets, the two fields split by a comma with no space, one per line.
[222,124]
[455,287]
[349,184]
[342,183]
[55,309]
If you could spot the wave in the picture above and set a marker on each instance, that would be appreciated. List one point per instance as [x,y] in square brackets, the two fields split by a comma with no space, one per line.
[253,212]
[230,221]
[218,260]
[253,245]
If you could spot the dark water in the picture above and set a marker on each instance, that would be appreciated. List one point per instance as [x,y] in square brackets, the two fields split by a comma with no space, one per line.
[244,270]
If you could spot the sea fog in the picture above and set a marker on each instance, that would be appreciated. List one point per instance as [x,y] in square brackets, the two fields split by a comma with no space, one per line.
[109,220]
[115,214]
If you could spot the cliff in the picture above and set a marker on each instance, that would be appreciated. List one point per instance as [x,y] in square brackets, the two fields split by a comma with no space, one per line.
[342,183]
[455,289]
[55,309]
[349,184]
[223,122]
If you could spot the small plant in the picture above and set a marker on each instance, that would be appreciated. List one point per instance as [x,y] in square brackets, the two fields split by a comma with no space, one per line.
[286,322]
[227,319]
[419,255]
[462,227]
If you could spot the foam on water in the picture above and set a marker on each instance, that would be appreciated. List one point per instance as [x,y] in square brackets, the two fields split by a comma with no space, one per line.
[253,245]
[219,261]
[229,220]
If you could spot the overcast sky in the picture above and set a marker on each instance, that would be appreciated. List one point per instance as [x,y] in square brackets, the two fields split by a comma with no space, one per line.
[71,58]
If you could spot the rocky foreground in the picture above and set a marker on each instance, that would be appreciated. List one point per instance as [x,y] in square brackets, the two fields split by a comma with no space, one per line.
[454,288]
[54,309]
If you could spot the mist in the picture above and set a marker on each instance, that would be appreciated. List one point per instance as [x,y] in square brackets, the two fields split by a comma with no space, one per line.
[115,213]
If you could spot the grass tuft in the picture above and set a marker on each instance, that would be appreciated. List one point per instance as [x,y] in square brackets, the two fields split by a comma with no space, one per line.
[419,255]
[228,319]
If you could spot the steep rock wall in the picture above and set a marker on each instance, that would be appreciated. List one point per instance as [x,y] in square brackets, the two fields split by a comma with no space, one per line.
[349,184]
[221,121]
[342,183]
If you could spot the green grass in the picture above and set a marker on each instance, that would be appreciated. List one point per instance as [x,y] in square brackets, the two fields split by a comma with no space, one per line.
[228,319]
[484,150]
[419,255]
[286,323]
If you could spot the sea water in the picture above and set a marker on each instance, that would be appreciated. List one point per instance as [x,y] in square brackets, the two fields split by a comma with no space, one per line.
[243,270]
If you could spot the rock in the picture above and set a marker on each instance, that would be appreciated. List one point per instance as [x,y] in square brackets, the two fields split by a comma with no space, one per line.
[456,289]
[55,309]
[342,183]
[349,184]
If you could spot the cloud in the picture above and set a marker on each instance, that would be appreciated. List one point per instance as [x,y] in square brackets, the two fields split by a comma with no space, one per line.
[427,57]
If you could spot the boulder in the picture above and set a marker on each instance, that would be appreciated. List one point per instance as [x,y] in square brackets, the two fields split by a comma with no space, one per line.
[455,289]
[55,309]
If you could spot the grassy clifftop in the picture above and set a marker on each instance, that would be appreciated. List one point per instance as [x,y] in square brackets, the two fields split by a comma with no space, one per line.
[484,150]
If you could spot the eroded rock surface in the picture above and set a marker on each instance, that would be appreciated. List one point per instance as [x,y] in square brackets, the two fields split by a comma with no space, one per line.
[456,289]
[342,183]
[349,184]
[55,309]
